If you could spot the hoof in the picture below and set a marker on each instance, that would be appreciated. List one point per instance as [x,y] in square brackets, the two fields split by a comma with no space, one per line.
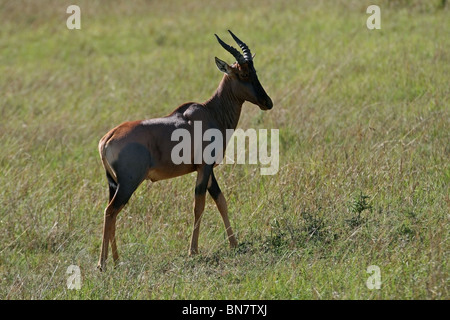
[233,243]
[193,252]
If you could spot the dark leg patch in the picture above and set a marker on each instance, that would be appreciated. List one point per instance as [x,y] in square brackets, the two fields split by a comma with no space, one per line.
[200,189]
[112,186]
[214,189]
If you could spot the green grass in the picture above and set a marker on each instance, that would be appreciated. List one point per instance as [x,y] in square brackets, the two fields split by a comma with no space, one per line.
[364,150]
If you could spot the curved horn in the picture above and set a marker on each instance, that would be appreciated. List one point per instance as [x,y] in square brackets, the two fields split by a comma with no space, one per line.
[243,46]
[236,54]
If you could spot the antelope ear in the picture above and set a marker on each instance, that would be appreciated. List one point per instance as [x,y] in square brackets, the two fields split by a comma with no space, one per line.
[223,66]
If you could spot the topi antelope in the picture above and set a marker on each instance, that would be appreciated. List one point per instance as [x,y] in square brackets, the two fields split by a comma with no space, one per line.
[135,151]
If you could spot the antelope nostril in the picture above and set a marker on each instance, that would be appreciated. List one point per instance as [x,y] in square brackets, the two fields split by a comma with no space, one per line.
[265,104]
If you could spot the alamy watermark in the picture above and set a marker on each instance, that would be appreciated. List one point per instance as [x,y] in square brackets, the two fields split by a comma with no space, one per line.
[374,281]
[74,20]
[74,278]
[374,20]
[213,152]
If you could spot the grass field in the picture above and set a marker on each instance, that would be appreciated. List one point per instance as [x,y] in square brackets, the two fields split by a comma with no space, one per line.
[364,150]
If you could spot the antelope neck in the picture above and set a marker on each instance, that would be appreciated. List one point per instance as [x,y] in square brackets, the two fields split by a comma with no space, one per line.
[225,105]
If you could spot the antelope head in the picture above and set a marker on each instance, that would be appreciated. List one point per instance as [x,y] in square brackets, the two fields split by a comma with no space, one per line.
[246,83]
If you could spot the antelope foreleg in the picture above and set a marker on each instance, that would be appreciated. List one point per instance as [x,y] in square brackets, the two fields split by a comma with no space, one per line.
[219,199]
[199,205]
